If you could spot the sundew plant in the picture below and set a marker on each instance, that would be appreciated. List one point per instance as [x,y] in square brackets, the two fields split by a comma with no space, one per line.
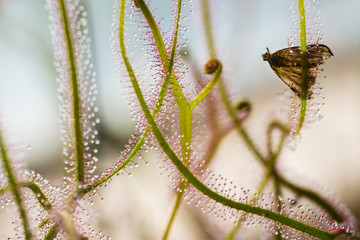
[182,114]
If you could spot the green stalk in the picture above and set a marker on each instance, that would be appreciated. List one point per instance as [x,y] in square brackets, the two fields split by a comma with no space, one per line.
[270,169]
[137,147]
[304,65]
[14,188]
[185,108]
[156,33]
[224,95]
[208,28]
[78,141]
[211,84]
[186,135]
[176,208]
[178,94]
[302,26]
[313,196]
[40,196]
[53,231]
[185,125]
[184,112]
[241,130]
[231,234]
[163,55]
[185,143]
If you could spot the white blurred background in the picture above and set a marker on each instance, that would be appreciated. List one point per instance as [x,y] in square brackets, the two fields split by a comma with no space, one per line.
[328,153]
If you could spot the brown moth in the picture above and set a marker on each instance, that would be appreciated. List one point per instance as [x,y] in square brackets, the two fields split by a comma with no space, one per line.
[286,63]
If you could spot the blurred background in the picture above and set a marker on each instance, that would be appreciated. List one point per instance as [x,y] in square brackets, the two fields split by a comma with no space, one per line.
[328,153]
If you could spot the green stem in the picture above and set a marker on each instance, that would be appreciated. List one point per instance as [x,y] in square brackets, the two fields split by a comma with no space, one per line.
[185,112]
[304,65]
[137,147]
[176,208]
[53,231]
[40,196]
[177,91]
[284,133]
[14,188]
[231,234]
[208,28]
[208,87]
[176,34]
[76,104]
[162,93]
[302,26]
[185,131]
[222,89]
[301,192]
[160,46]
[156,32]
[186,122]
[270,169]
[241,130]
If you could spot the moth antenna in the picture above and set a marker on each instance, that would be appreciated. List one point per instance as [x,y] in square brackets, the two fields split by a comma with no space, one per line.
[267,50]
[288,42]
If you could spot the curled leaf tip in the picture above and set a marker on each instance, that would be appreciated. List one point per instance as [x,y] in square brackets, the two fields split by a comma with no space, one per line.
[243,109]
[280,126]
[211,66]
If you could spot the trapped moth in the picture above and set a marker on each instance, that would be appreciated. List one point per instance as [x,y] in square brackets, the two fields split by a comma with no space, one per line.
[286,63]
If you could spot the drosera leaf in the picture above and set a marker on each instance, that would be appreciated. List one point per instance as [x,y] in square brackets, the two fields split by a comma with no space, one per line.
[40,196]
[138,141]
[53,231]
[10,172]
[77,88]
[212,66]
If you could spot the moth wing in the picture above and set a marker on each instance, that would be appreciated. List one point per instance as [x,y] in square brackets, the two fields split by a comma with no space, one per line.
[289,57]
[317,54]
[286,63]
[292,78]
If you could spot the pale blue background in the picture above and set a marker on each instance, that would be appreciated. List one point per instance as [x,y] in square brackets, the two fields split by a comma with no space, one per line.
[28,97]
